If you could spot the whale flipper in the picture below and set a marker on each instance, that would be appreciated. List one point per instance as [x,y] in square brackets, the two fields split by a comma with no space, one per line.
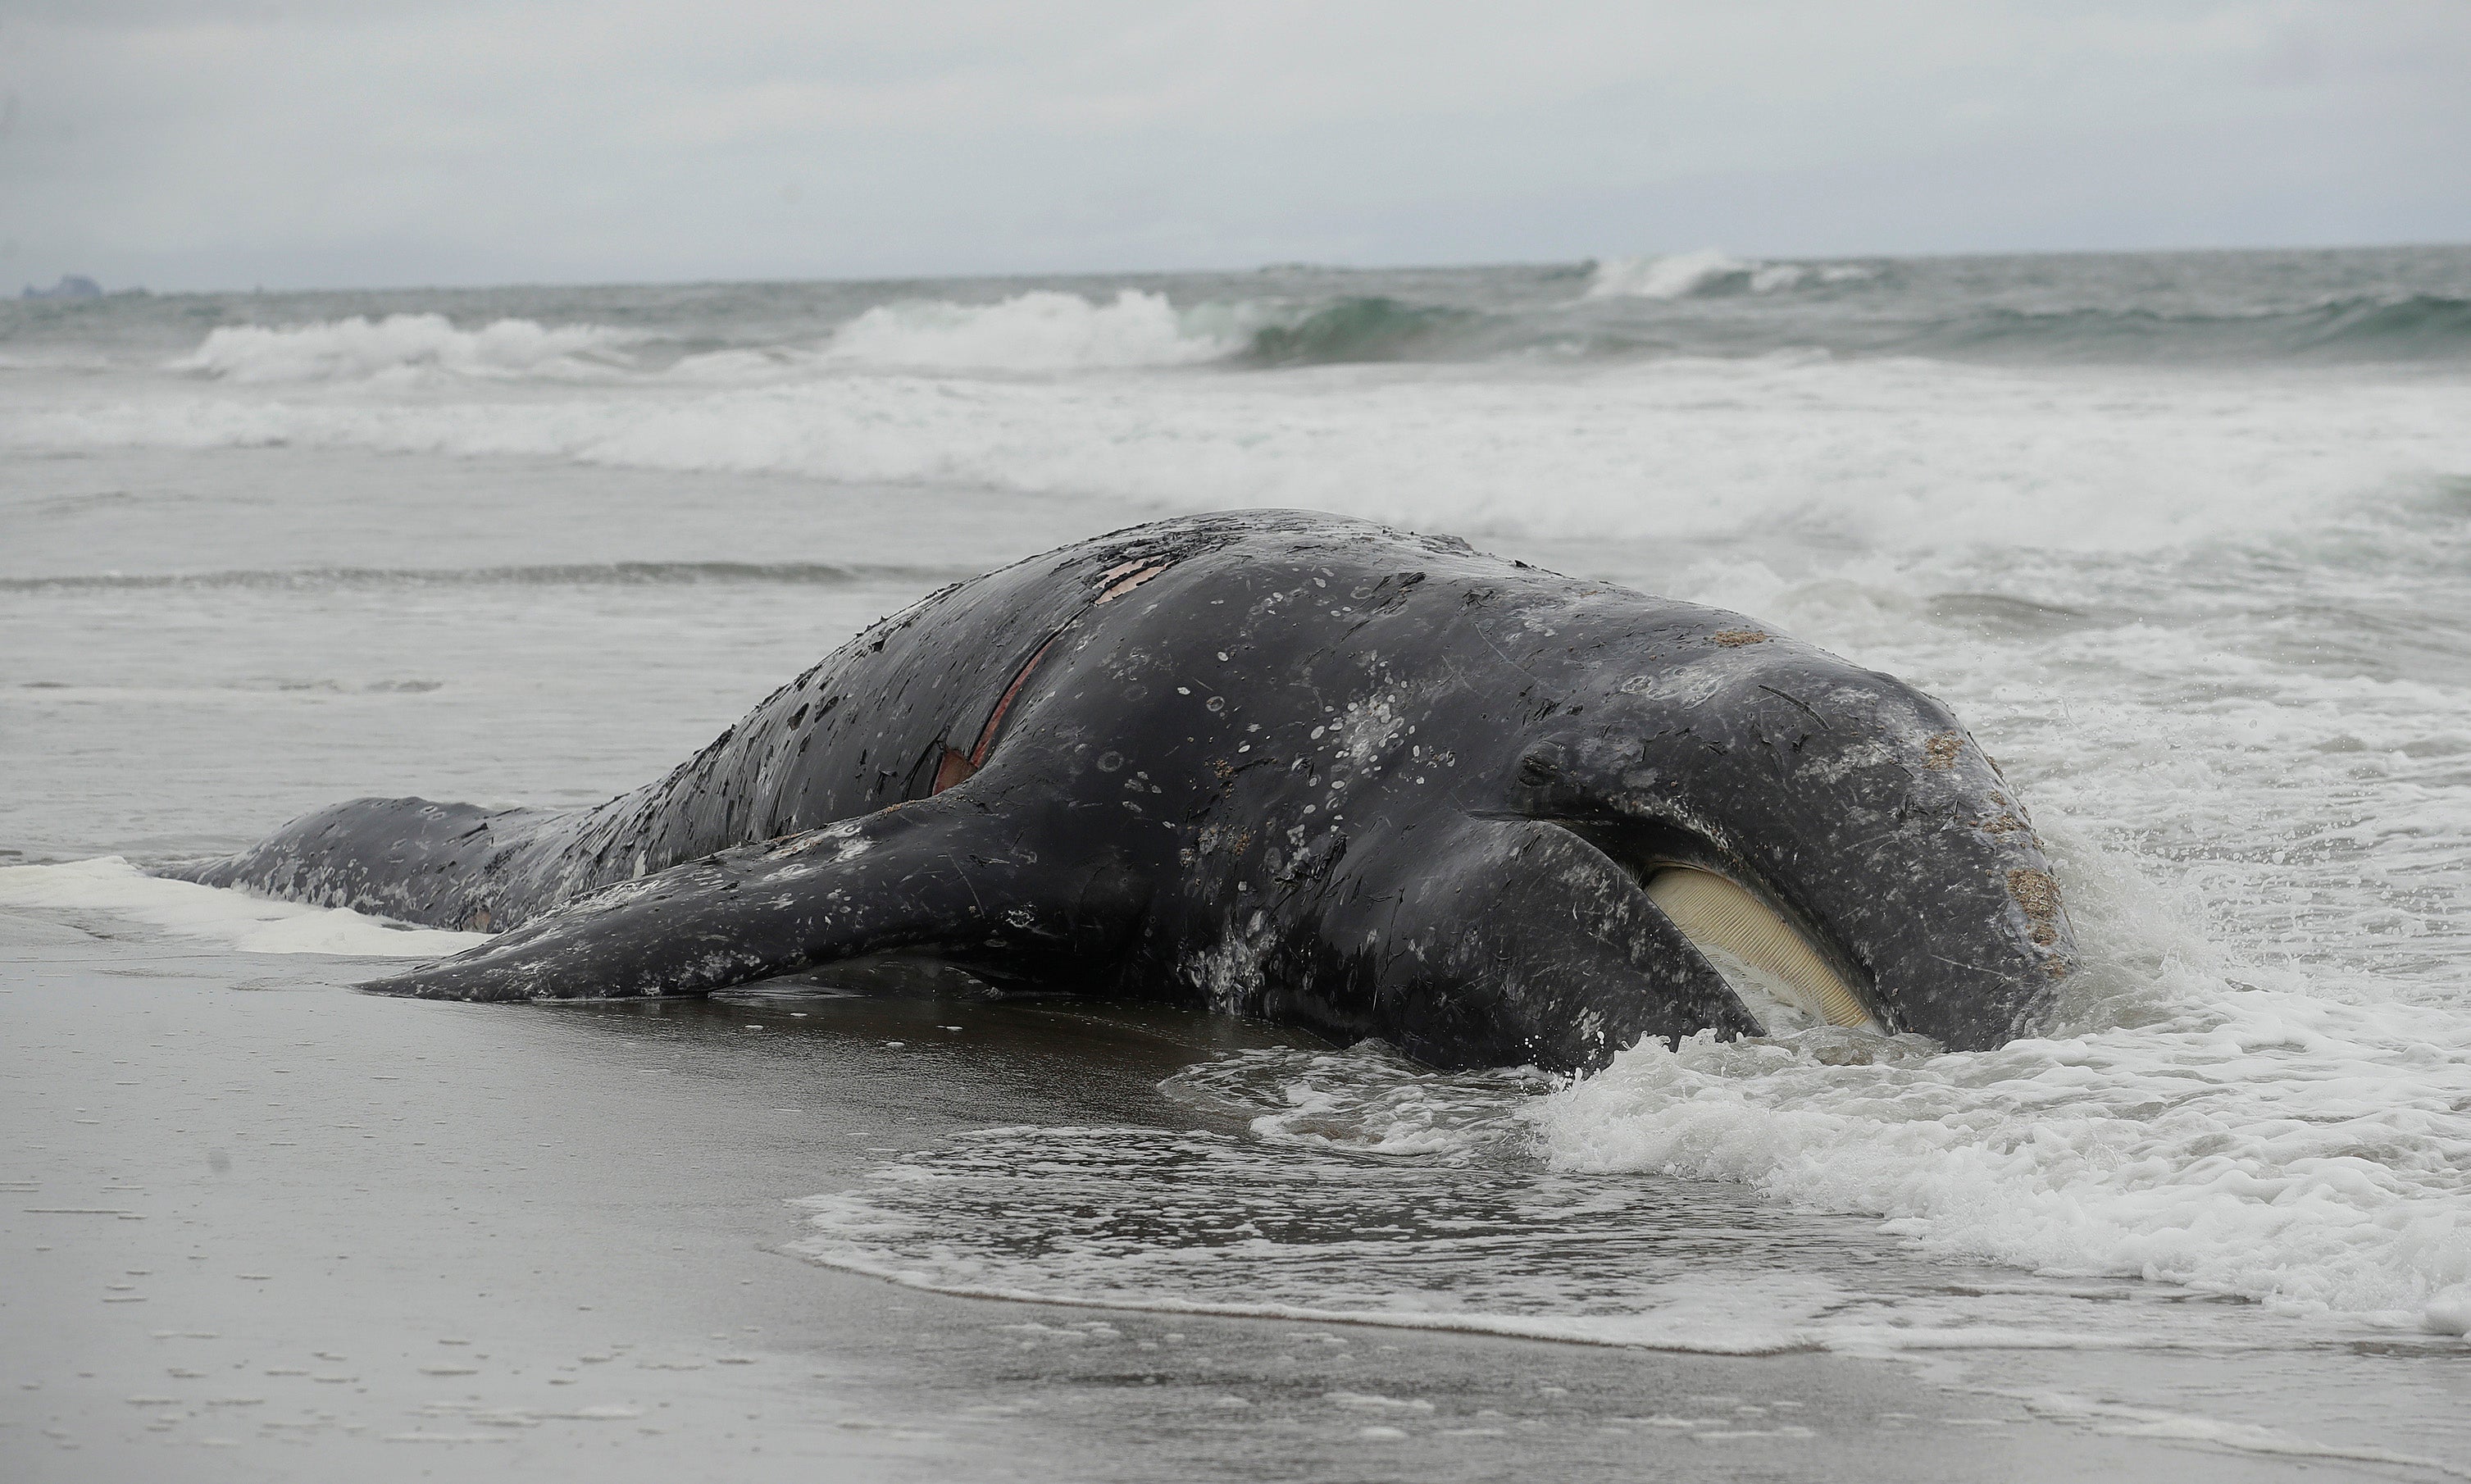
[943,875]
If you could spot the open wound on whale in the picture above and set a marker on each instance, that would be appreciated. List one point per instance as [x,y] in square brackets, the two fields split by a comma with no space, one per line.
[1780,978]
[1124,577]
[955,766]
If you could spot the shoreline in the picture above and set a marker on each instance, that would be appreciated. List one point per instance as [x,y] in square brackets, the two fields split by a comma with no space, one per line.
[295,1232]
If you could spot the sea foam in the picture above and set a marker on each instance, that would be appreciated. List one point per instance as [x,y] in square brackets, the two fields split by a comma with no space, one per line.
[252,925]
[1898,453]
[2269,1145]
[1040,331]
[1678,275]
[400,346]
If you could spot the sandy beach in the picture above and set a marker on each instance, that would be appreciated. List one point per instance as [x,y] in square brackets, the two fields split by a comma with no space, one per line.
[261,1227]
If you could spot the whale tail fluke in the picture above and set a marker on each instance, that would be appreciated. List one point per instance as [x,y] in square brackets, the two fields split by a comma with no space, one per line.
[416,861]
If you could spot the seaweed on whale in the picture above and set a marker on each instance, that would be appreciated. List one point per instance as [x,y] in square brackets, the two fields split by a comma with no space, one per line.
[1285,765]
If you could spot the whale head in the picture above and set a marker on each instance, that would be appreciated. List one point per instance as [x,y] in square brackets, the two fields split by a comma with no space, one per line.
[1828,839]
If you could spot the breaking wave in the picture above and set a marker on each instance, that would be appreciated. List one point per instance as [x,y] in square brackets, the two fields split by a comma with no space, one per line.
[1648,309]
[1709,271]
[1633,309]
[1368,328]
[1830,450]
[1040,331]
[1045,331]
[400,346]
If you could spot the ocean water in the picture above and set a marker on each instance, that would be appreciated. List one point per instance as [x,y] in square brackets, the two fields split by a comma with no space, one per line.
[2186,538]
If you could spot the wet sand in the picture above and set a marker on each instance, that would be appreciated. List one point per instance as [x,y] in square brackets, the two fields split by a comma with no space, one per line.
[258,1226]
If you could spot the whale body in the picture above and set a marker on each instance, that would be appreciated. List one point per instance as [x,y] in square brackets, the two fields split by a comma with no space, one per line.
[1284,765]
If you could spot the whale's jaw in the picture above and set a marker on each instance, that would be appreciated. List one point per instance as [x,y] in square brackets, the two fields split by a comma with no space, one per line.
[1784,980]
[1827,839]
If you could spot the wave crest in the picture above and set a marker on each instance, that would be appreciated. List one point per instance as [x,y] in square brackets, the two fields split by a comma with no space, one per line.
[2363,328]
[361,349]
[1364,328]
[1040,331]
[1708,270]
[1890,451]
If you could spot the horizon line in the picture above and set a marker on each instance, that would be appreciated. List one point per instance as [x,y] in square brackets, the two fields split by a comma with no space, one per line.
[31,294]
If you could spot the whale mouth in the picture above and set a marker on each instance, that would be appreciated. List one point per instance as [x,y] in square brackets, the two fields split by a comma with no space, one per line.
[1779,976]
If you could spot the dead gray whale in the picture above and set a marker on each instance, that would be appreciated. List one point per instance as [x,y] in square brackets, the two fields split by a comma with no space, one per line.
[1284,765]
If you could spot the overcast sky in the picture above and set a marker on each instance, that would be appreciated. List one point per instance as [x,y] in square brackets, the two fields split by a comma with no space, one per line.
[306,143]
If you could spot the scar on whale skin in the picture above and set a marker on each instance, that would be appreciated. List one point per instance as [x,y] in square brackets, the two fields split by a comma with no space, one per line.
[956,766]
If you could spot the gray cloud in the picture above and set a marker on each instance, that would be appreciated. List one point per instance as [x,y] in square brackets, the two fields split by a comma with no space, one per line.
[498,140]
